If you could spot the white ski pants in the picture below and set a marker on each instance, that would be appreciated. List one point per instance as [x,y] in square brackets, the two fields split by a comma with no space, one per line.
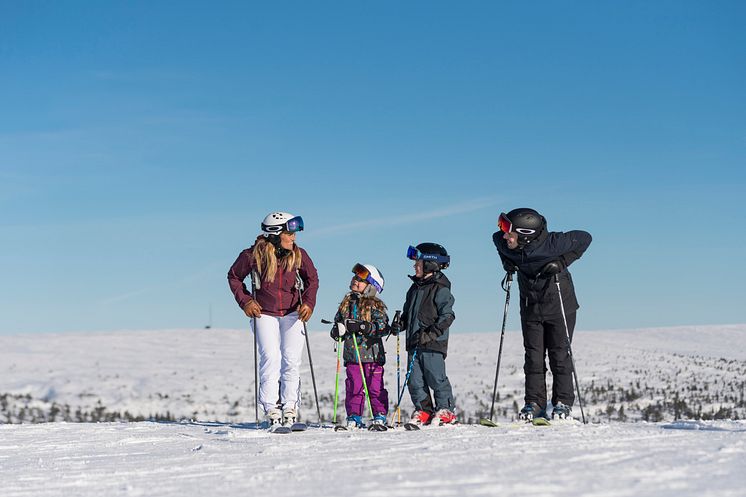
[280,342]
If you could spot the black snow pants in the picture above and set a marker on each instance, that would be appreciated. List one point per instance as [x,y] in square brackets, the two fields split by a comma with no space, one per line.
[542,338]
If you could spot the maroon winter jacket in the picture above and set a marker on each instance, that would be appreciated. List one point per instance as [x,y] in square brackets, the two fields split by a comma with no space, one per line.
[279,297]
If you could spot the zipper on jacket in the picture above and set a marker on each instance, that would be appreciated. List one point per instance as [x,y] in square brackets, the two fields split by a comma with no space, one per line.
[279,291]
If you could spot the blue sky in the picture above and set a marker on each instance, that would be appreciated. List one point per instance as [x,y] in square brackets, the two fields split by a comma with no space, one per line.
[141,144]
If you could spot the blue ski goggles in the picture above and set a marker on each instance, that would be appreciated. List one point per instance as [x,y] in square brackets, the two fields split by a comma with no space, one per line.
[414,254]
[291,225]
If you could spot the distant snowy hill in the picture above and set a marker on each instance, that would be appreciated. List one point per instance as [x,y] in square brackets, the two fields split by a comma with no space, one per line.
[652,374]
[207,375]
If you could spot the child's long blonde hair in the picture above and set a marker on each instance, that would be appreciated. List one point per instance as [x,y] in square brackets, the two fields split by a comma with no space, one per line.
[365,305]
[266,260]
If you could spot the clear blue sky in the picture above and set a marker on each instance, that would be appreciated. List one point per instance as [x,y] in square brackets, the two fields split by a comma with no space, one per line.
[141,144]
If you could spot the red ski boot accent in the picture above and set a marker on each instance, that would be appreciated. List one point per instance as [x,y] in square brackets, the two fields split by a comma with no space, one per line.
[445,417]
[421,418]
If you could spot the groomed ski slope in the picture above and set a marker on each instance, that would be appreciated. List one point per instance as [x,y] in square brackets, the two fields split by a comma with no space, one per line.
[158,459]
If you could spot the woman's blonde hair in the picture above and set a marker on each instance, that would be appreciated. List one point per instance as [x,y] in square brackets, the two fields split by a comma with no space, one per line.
[365,306]
[266,260]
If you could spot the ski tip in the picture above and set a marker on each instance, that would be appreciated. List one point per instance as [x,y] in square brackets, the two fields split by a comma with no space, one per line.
[375,427]
[281,430]
[487,422]
[540,422]
[411,427]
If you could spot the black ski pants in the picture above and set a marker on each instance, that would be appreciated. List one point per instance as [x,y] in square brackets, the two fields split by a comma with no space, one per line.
[543,338]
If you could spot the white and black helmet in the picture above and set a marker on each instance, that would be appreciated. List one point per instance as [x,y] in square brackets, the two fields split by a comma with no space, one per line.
[277,222]
[371,275]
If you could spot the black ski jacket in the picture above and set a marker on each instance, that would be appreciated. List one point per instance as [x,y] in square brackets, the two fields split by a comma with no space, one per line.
[539,299]
[428,309]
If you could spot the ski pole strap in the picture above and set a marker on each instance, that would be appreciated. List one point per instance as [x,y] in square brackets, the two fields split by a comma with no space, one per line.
[506,281]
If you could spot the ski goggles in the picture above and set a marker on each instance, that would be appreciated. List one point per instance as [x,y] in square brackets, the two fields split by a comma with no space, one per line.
[416,255]
[506,226]
[292,225]
[362,274]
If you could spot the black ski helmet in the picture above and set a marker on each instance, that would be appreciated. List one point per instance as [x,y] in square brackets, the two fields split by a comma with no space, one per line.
[431,265]
[527,223]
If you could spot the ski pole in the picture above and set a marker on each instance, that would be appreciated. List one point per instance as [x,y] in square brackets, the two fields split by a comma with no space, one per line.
[362,373]
[398,371]
[255,284]
[397,322]
[569,348]
[406,378]
[353,304]
[339,345]
[336,379]
[506,286]
[299,287]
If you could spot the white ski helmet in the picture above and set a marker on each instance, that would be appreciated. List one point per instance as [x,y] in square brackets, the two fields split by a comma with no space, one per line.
[277,222]
[371,275]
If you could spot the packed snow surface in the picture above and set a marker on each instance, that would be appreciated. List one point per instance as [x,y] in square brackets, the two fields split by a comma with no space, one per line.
[204,380]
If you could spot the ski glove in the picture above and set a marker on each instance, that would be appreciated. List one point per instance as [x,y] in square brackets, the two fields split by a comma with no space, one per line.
[252,309]
[553,267]
[509,266]
[358,326]
[338,330]
[395,328]
[304,312]
[426,336]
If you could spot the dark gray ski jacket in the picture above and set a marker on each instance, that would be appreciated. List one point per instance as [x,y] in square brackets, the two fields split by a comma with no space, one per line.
[429,309]
[539,298]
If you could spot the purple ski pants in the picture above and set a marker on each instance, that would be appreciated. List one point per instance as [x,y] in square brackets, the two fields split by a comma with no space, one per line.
[355,402]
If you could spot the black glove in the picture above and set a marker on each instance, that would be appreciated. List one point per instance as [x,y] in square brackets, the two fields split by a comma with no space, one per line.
[553,267]
[509,266]
[395,328]
[427,335]
[424,338]
[358,326]
[335,331]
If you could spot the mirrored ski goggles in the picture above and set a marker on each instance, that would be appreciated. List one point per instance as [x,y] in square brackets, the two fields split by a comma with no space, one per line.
[362,274]
[504,224]
[291,225]
[416,255]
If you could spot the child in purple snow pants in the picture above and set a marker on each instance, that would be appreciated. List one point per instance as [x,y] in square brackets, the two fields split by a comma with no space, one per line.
[361,322]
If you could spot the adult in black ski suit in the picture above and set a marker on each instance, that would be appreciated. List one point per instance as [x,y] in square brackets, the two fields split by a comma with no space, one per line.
[537,255]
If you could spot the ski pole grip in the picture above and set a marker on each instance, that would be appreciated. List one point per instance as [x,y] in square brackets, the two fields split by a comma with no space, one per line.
[397,318]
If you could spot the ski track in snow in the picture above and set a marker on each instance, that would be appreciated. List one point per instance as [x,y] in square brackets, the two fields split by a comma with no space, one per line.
[145,459]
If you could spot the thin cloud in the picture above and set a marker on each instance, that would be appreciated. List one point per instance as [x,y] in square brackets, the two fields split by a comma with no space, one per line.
[410,218]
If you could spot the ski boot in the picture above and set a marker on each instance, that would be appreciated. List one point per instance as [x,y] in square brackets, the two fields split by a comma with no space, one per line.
[274,417]
[288,417]
[378,423]
[354,422]
[561,411]
[420,418]
[444,417]
[530,411]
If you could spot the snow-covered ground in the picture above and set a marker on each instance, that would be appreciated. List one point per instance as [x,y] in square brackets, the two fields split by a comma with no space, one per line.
[207,376]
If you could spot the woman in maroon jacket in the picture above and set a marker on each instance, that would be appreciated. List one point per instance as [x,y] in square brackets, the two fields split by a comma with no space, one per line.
[276,305]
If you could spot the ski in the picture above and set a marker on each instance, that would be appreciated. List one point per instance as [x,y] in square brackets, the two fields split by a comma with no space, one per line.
[377,427]
[488,422]
[340,428]
[411,427]
[298,427]
[279,429]
[540,422]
